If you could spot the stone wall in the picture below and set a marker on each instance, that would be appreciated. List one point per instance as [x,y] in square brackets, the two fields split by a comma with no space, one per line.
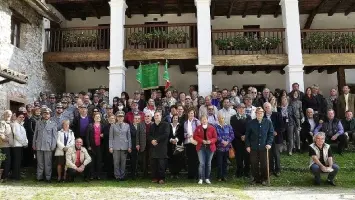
[28,58]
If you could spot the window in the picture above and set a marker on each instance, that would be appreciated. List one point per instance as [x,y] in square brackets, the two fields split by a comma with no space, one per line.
[251,34]
[15,32]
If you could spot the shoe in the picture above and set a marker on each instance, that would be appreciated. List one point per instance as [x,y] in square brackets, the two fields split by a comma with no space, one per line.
[331,182]
[91,178]
[122,179]
[161,182]
[48,181]
[117,179]
[59,181]
[208,181]
[98,178]
[290,153]
[155,181]
[200,182]
[252,182]
[219,180]
[316,183]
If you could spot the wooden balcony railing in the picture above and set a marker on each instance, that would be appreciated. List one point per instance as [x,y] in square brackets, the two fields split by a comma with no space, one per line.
[78,39]
[161,36]
[328,41]
[247,41]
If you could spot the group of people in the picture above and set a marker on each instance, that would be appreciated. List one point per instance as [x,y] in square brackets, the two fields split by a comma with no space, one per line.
[83,134]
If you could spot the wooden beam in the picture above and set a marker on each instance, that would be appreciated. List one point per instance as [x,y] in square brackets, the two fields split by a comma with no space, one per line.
[254,70]
[309,70]
[329,59]
[245,9]
[161,7]
[231,6]
[250,60]
[96,12]
[144,7]
[341,78]
[282,71]
[214,71]
[96,65]
[331,70]
[321,69]
[129,12]
[314,13]
[160,54]
[277,11]
[261,9]
[180,7]
[230,70]
[76,56]
[82,65]
[335,8]
[350,9]
[268,70]
[182,68]
[69,66]
[241,71]
[213,8]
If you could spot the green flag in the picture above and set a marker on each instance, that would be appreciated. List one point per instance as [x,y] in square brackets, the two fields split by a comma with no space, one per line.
[150,76]
[139,75]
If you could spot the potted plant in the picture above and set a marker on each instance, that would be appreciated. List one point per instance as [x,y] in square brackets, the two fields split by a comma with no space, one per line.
[224,43]
[2,158]
[137,38]
[177,36]
[75,38]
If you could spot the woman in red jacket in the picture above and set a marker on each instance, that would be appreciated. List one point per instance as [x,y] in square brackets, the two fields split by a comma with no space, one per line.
[206,137]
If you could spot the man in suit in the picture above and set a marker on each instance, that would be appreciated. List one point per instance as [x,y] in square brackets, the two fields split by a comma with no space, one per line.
[78,164]
[44,143]
[142,144]
[346,102]
[278,124]
[310,123]
[158,138]
[136,132]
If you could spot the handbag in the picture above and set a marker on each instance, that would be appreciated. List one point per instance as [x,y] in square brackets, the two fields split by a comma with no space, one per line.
[179,150]
[231,153]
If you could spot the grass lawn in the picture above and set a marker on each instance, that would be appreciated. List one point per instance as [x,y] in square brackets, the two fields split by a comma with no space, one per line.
[295,173]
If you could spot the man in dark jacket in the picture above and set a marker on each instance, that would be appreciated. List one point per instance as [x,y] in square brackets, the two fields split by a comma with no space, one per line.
[81,123]
[259,137]
[239,124]
[277,122]
[310,123]
[136,132]
[158,138]
[349,125]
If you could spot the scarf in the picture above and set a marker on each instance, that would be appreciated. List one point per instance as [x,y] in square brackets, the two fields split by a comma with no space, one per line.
[239,116]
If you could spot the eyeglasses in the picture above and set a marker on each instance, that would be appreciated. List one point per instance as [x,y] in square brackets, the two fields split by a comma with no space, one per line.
[253,92]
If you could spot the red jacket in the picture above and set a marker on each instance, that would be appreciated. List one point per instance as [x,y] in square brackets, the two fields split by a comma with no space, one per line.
[130,117]
[211,136]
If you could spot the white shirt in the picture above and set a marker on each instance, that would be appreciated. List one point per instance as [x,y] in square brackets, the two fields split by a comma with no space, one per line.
[174,132]
[346,101]
[189,132]
[312,123]
[227,114]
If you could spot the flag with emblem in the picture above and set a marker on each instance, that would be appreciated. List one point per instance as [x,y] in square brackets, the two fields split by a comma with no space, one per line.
[166,76]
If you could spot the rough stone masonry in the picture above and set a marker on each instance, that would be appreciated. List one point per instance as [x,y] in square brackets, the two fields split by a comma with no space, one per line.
[28,58]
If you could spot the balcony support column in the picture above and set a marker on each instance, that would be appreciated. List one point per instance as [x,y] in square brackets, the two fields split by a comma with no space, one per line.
[117,69]
[204,67]
[291,23]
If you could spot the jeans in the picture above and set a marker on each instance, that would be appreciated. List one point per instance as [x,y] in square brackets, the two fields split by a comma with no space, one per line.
[205,157]
[316,171]
[222,158]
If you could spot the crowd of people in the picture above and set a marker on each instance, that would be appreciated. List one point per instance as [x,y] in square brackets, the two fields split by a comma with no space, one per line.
[84,134]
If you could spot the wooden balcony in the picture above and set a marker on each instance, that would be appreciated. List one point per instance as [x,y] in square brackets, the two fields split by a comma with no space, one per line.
[328,46]
[233,47]
[161,41]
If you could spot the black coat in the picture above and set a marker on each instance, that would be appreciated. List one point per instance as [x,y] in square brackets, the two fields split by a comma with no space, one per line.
[160,133]
[179,134]
[279,126]
[76,128]
[90,137]
[239,127]
[306,127]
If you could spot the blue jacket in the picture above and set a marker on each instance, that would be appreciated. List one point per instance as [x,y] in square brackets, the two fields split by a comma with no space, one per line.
[258,135]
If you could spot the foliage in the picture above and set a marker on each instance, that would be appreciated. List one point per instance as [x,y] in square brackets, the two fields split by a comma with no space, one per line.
[247,43]
[75,38]
[2,156]
[322,40]
[175,36]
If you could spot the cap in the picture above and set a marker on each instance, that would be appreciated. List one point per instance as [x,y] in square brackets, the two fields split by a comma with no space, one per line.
[52,96]
[102,87]
[64,101]
[96,110]
[109,106]
[46,110]
[83,106]
[120,113]
[59,105]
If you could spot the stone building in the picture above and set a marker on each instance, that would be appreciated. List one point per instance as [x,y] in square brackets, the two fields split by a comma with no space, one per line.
[23,74]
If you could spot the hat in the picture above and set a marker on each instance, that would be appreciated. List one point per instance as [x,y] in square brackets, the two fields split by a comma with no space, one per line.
[59,105]
[83,106]
[109,106]
[135,101]
[102,87]
[120,113]
[76,95]
[41,93]
[52,96]
[35,107]
[64,101]
[46,110]
[96,110]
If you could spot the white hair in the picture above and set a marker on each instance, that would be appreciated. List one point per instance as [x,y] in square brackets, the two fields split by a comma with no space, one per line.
[321,134]
[310,109]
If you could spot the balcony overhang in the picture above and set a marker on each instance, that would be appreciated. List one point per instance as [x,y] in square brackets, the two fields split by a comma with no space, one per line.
[42,9]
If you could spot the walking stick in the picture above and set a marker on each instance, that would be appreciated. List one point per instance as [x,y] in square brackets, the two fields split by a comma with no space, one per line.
[267,166]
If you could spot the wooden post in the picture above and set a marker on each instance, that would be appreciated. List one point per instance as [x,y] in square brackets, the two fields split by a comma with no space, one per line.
[341,78]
